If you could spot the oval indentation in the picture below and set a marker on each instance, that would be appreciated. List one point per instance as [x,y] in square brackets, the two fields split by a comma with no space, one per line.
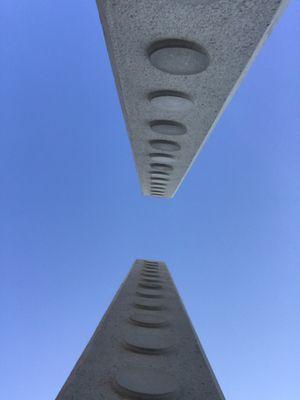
[151,270]
[143,341]
[148,264]
[164,145]
[161,167]
[148,293]
[164,127]
[148,320]
[152,279]
[152,285]
[150,274]
[159,179]
[151,265]
[161,157]
[152,191]
[169,100]
[161,173]
[158,184]
[147,274]
[160,187]
[157,175]
[178,57]
[155,182]
[149,304]
[145,383]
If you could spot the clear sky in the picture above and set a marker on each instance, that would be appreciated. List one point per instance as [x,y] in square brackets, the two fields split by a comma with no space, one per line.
[72,219]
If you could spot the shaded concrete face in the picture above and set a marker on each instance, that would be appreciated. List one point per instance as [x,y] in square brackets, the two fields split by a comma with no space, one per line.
[176,64]
[144,347]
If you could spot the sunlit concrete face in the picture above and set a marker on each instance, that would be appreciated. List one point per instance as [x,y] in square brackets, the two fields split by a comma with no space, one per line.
[144,348]
[176,65]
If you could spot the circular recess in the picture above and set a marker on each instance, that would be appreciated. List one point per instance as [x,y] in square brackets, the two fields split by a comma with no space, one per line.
[149,285]
[157,189]
[148,293]
[178,57]
[149,304]
[161,167]
[162,181]
[153,280]
[148,320]
[155,263]
[155,271]
[159,180]
[151,270]
[161,157]
[165,145]
[158,183]
[150,273]
[158,175]
[161,173]
[143,341]
[169,100]
[145,383]
[164,127]
[157,186]
[146,275]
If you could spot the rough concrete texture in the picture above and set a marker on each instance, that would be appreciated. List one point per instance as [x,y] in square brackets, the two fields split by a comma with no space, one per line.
[144,348]
[198,49]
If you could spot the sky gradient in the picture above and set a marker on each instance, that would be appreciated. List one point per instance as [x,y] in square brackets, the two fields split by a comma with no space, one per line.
[73,219]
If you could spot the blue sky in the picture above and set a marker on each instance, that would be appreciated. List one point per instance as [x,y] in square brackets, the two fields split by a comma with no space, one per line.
[73,219]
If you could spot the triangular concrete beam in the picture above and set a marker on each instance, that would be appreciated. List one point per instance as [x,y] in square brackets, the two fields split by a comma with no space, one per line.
[144,348]
[176,65]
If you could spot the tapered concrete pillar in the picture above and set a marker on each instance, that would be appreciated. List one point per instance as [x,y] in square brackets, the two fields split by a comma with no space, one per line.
[177,63]
[144,347]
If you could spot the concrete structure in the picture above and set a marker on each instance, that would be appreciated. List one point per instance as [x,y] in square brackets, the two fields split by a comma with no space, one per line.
[144,347]
[176,65]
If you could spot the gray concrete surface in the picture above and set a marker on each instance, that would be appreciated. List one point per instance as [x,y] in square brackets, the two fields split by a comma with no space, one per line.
[176,65]
[144,348]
